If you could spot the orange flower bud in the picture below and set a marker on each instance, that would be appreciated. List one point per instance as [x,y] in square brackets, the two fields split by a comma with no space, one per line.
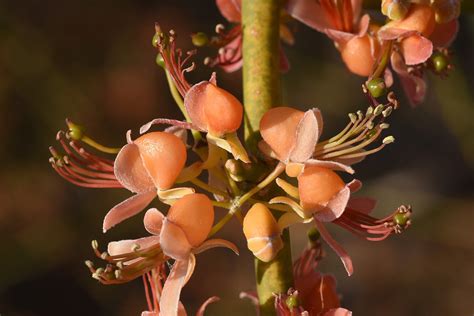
[163,156]
[262,233]
[278,128]
[420,18]
[213,109]
[317,185]
[194,214]
[359,54]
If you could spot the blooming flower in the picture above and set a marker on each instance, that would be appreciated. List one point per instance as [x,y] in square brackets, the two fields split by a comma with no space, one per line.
[179,235]
[415,37]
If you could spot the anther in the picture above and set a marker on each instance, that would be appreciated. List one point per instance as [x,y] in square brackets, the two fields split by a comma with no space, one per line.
[384,126]
[89,264]
[118,274]
[104,255]
[360,114]
[207,61]
[119,265]
[99,271]
[135,247]
[219,28]
[378,110]
[95,244]
[370,110]
[388,140]
[352,117]
[96,276]
[387,111]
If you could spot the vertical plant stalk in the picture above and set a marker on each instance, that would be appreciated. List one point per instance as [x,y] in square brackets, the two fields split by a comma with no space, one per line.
[261,75]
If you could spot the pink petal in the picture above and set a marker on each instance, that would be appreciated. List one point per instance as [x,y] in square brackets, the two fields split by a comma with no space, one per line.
[214,243]
[234,66]
[115,248]
[362,204]
[416,49]
[181,310]
[415,87]
[174,123]
[391,33]
[346,260]
[153,221]
[181,133]
[335,207]
[194,104]
[310,13]
[173,241]
[339,37]
[230,9]
[354,185]
[388,77]
[131,206]
[130,171]
[444,34]
[169,300]
[334,165]
[203,307]
[307,135]
[338,312]
[319,118]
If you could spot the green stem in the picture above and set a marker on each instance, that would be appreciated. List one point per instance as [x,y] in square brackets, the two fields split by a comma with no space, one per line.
[109,150]
[261,82]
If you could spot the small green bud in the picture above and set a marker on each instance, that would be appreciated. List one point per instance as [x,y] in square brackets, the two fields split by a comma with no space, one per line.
[160,61]
[156,39]
[440,62]
[292,302]
[313,234]
[376,87]
[199,39]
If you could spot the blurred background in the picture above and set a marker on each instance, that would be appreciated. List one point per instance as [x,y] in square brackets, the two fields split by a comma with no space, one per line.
[92,61]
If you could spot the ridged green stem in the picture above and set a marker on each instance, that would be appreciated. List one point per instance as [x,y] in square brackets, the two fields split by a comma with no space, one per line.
[261,75]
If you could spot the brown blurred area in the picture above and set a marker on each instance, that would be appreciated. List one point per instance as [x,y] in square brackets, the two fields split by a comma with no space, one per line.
[92,61]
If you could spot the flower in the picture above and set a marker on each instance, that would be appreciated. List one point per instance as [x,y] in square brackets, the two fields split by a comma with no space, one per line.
[147,166]
[343,22]
[229,56]
[415,37]
[314,293]
[179,235]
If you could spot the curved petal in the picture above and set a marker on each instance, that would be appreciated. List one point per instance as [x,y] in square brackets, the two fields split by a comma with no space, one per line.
[131,206]
[444,34]
[288,219]
[335,207]
[345,258]
[203,307]
[174,242]
[310,13]
[414,87]
[354,185]
[334,165]
[214,243]
[193,101]
[307,135]
[174,123]
[169,300]
[416,49]
[294,206]
[392,33]
[230,9]
[191,267]
[153,221]
[130,170]
[120,247]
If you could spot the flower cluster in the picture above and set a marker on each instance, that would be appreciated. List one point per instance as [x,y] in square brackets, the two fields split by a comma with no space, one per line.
[415,39]
[297,177]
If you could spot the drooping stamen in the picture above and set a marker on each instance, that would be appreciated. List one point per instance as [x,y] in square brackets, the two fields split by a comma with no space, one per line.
[373,229]
[81,167]
[128,266]
[228,54]
[174,63]
[359,133]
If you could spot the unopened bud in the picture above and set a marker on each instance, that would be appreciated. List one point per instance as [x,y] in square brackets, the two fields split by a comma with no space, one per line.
[313,234]
[292,301]
[199,39]
[75,132]
[440,62]
[160,61]
[376,87]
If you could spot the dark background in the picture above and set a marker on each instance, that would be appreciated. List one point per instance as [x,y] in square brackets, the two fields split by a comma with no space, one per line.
[93,61]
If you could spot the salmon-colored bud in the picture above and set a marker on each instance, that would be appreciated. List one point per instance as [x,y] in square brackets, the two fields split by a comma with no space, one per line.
[420,18]
[359,54]
[446,10]
[194,214]
[163,155]
[213,109]
[317,185]
[262,233]
[278,128]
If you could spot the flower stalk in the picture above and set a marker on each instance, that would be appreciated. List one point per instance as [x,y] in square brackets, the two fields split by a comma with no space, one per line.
[261,84]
